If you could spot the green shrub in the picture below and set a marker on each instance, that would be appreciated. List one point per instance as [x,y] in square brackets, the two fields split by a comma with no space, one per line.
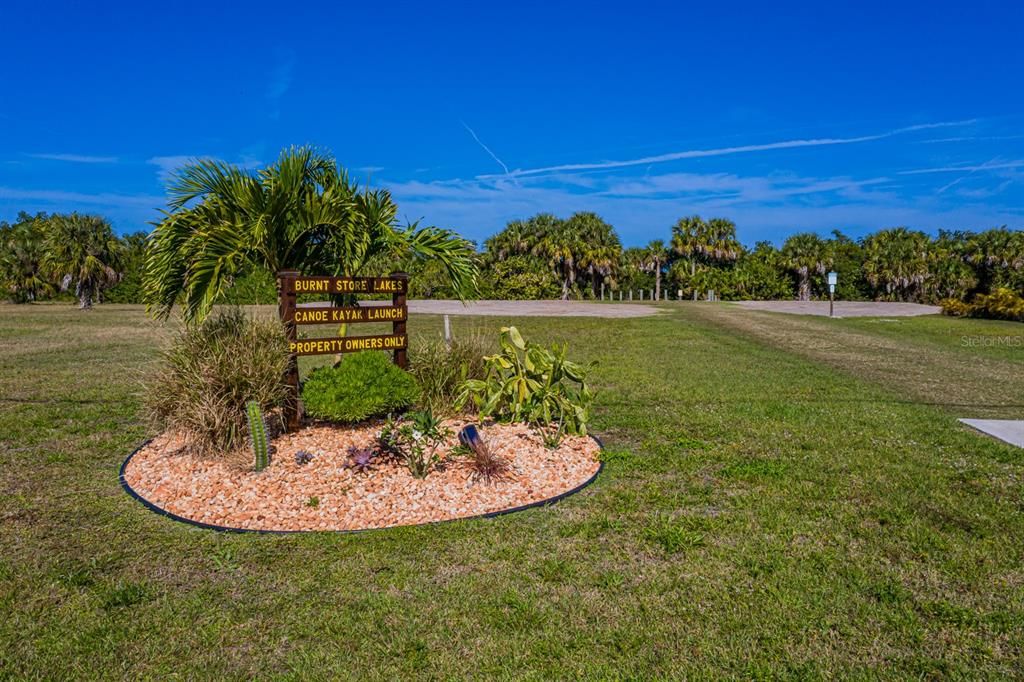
[211,371]
[440,370]
[955,307]
[1001,304]
[363,385]
[528,383]
[520,278]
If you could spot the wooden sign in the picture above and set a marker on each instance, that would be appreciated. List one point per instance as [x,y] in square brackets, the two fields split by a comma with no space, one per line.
[347,344]
[291,284]
[326,314]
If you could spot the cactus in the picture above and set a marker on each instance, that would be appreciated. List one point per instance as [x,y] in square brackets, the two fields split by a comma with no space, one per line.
[258,434]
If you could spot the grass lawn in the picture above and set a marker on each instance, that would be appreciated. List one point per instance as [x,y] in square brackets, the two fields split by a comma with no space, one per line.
[782,496]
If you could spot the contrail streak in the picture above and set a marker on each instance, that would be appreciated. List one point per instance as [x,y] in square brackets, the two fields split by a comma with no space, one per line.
[700,153]
[486,148]
[974,170]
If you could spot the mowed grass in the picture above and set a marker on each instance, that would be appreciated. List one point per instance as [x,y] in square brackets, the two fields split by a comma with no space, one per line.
[766,509]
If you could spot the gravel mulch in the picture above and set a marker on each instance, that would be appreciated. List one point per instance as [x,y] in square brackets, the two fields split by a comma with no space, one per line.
[326,495]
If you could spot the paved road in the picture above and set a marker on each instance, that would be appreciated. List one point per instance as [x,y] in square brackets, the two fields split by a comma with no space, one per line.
[532,308]
[521,308]
[844,308]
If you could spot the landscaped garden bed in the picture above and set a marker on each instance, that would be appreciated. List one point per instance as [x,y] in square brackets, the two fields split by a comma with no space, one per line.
[329,493]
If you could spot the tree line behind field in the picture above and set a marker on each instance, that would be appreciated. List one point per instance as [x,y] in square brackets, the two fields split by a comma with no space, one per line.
[79,257]
[581,256]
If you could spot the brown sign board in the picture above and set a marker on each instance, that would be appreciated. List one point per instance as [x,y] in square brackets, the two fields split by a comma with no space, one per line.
[347,344]
[349,314]
[291,284]
[349,285]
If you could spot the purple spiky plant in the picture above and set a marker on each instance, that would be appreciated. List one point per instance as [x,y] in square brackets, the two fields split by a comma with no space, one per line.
[361,459]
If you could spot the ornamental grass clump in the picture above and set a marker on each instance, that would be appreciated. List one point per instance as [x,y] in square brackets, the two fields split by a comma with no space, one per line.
[485,464]
[210,372]
[529,383]
[440,368]
[363,385]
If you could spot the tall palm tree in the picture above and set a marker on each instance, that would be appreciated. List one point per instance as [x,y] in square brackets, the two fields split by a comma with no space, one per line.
[597,247]
[997,255]
[300,213]
[83,250]
[22,249]
[655,255]
[711,242]
[804,254]
[896,263]
[554,243]
[950,274]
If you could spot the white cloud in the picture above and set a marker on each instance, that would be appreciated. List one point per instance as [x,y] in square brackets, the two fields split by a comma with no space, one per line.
[57,196]
[167,165]
[75,158]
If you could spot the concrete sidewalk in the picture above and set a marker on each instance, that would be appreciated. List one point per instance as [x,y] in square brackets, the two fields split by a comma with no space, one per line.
[1007,430]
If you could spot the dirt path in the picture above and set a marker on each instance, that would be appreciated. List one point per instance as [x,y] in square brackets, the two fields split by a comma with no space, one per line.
[965,384]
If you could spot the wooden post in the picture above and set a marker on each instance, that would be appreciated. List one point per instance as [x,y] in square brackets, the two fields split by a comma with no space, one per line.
[399,299]
[286,310]
[602,291]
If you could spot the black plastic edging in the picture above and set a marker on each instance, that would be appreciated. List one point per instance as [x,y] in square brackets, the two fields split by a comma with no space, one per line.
[227,529]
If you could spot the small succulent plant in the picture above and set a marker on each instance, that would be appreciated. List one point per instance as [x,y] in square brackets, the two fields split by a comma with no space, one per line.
[361,459]
[303,457]
[414,439]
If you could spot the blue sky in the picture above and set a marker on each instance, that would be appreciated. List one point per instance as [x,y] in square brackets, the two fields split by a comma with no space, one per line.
[780,116]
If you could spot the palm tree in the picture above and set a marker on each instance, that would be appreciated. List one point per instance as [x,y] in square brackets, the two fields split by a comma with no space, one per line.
[514,240]
[950,274]
[804,254]
[997,255]
[22,249]
[83,250]
[555,244]
[300,213]
[711,242]
[597,247]
[896,262]
[654,257]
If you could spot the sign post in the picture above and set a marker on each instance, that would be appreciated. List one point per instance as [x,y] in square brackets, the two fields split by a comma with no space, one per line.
[290,284]
[832,279]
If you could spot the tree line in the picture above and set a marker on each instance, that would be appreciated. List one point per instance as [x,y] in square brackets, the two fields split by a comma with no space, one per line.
[548,257]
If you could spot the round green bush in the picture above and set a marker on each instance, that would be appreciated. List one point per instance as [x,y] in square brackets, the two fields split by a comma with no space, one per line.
[364,385]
